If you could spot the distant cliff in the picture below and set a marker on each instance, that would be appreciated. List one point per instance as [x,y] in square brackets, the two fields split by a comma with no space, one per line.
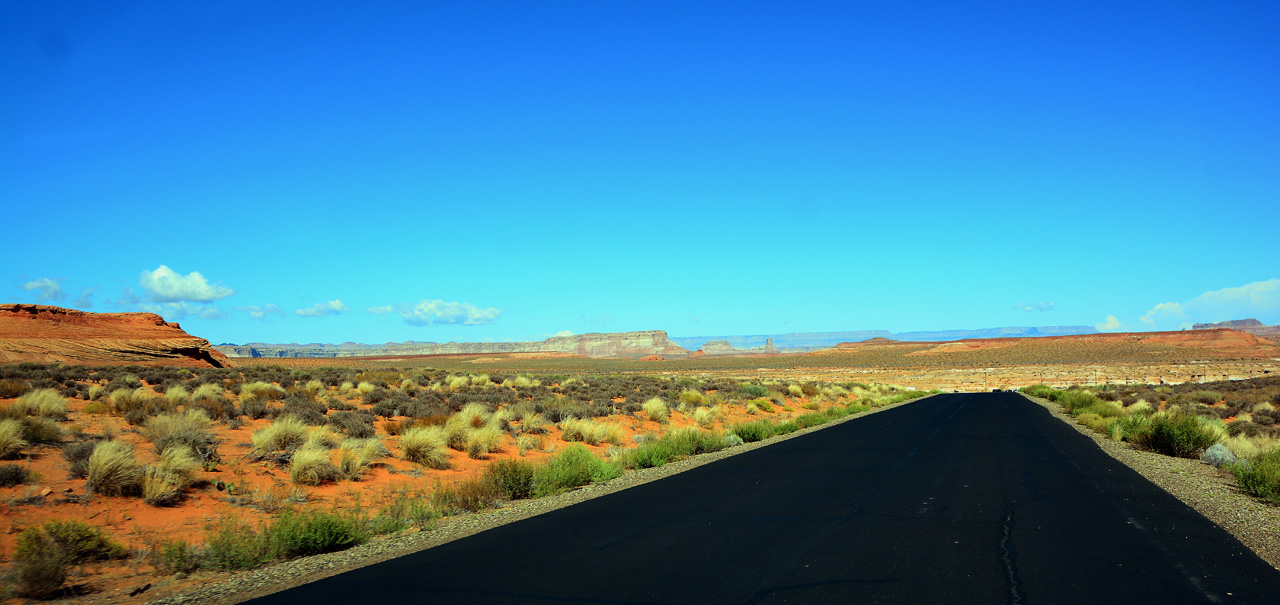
[1251,326]
[619,344]
[48,334]
[811,341]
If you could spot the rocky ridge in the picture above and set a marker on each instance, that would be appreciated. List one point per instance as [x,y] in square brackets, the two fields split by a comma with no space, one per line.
[1251,326]
[48,334]
[618,344]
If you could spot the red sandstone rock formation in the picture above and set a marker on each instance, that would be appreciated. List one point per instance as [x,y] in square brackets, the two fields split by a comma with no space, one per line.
[45,334]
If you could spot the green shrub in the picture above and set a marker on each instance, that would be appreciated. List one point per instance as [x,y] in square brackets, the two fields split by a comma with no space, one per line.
[856,408]
[313,533]
[113,471]
[574,466]
[39,571]
[786,428]
[753,431]
[1177,434]
[762,404]
[12,474]
[753,390]
[474,494]
[1260,476]
[515,477]
[96,407]
[232,544]
[174,556]
[79,541]
[13,388]
[694,398]
[805,421]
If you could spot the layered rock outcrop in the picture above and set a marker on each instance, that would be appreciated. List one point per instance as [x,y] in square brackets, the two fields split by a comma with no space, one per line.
[45,334]
[1251,326]
[618,344]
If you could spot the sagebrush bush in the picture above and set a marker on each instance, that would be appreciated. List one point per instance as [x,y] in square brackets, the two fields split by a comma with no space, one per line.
[39,572]
[284,434]
[12,474]
[78,541]
[1176,434]
[113,470]
[753,431]
[656,409]
[515,477]
[426,445]
[313,533]
[174,556]
[753,390]
[11,439]
[13,388]
[1260,476]
[574,466]
[311,466]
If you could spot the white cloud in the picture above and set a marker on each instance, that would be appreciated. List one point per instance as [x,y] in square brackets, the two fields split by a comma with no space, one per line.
[1258,300]
[382,311]
[563,333]
[1111,324]
[85,301]
[332,307]
[439,312]
[166,285]
[46,289]
[264,312]
[1040,306]
[173,311]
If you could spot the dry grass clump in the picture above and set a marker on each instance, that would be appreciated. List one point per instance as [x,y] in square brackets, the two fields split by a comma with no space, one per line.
[311,466]
[483,440]
[366,387]
[207,391]
[591,432]
[704,416]
[426,445]
[286,433]
[314,389]
[322,437]
[11,441]
[261,390]
[96,391]
[457,383]
[355,456]
[656,409]
[46,403]
[177,395]
[457,428]
[113,471]
[164,481]
[692,397]
[189,428]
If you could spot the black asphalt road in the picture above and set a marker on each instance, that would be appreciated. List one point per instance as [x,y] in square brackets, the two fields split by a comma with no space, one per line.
[954,499]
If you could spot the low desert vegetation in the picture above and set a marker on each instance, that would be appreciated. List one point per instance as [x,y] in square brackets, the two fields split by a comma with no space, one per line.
[1223,429]
[153,433]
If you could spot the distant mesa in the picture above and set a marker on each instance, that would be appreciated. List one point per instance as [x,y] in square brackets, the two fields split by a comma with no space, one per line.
[1252,326]
[630,345]
[804,342]
[48,334]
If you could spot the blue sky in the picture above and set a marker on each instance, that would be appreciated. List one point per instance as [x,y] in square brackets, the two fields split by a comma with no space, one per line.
[328,172]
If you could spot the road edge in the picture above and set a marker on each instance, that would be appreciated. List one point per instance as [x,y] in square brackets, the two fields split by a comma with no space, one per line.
[1212,492]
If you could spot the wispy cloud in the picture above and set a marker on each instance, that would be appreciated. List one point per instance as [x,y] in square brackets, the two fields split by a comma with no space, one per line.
[382,311]
[46,289]
[332,307]
[1260,298]
[166,285]
[1040,306]
[439,312]
[173,311]
[262,313]
[85,300]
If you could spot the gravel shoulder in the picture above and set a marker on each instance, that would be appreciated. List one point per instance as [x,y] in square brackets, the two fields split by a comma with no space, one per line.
[1210,491]
[223,588]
